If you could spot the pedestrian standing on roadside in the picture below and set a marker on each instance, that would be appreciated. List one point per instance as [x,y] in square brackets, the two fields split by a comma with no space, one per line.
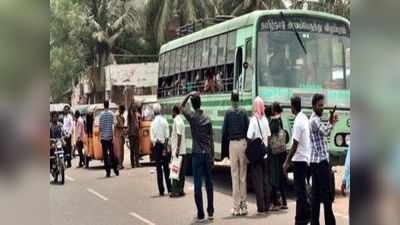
[178,148]
[202,154]
[277,144]
[79,133]
[106,122]
[322,190]
[68,125]
[119,137]
[89,152]
[159,134]
[133,134]
[234,130]
[259,128]
[299,156]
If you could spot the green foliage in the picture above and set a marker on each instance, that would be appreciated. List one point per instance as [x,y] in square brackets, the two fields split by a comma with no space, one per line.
[85,33]
[68,54]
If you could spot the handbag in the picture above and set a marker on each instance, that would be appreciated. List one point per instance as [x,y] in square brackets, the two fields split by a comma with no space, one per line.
[256,148]
[277,142]
[175,168]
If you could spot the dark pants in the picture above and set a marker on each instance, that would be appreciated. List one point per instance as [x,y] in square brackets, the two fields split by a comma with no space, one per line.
[259,175]
[201,165]
[302,205]
[178,186]
[108,156]
[68,150]
[79,147]
[278,179]
[134,150]
[162,163]
[322,193]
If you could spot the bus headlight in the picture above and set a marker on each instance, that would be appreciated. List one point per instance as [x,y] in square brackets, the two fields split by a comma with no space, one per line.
[347,139]
[339,140]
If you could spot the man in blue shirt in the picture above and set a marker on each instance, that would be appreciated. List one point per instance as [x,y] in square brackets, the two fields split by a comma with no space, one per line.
[106,135]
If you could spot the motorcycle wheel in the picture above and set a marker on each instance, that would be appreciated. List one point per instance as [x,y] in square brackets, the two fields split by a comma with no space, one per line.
[55,176]
[62,171]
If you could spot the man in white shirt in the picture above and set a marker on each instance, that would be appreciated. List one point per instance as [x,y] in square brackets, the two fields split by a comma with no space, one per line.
[299,156]
[68,125]
[159,133]
[178,148]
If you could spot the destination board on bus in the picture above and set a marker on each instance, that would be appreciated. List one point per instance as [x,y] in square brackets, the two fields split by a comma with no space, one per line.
[303,24]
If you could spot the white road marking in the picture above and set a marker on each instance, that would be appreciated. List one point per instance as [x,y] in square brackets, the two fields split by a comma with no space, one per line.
[97,194]
[69,178]
[141,218]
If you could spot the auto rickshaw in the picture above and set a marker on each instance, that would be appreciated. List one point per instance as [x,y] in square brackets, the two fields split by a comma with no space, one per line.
[145,145]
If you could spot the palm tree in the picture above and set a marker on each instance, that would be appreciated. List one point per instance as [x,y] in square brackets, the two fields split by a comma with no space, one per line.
[162,17]
[107,20]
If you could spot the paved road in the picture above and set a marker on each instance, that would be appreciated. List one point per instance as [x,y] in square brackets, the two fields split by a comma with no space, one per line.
[88,198]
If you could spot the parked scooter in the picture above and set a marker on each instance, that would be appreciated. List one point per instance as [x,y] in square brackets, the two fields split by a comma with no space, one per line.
[57,164]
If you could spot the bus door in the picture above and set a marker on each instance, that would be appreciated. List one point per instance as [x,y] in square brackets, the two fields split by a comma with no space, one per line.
[238,69]
[244,67]
[248,66]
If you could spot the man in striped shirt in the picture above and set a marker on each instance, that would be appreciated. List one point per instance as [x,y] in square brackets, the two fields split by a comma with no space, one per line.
[106,135]
[322,190]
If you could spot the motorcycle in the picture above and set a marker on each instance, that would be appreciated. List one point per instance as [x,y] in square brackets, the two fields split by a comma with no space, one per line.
[57,164]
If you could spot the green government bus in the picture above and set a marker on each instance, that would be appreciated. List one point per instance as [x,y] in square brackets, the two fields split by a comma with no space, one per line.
[274,54]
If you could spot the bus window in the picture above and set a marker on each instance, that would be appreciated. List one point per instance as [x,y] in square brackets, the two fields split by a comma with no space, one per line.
[184,58]
[250,65]
[178,60]
[210,84]
[167,63]
[198,54]
[230,47]
[172,61]
[222,49]
[283,63]
[213,51]
[191,57]
[206,50]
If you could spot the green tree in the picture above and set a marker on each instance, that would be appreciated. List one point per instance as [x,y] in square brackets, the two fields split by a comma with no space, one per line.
[107,20]
[162,17]
[68,55]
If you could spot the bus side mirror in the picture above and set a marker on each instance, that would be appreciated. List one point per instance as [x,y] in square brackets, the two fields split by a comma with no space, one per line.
[245,65]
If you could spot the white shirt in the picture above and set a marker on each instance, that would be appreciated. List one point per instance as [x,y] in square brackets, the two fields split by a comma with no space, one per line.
[159,130]
[301,133]
[254,131]
[68,124]
[125,118]
[178,128]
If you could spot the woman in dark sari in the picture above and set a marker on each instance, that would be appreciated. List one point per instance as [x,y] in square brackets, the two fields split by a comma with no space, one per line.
[277,158]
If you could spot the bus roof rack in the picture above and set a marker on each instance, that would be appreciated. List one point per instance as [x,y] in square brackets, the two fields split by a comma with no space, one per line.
[201,24]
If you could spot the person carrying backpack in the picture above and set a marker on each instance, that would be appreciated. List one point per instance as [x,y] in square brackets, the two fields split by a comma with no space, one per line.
[277,143]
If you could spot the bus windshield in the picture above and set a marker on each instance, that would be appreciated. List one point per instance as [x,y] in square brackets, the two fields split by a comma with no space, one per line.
[282,62]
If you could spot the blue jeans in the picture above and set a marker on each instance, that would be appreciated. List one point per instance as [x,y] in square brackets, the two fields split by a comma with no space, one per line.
[202,168]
